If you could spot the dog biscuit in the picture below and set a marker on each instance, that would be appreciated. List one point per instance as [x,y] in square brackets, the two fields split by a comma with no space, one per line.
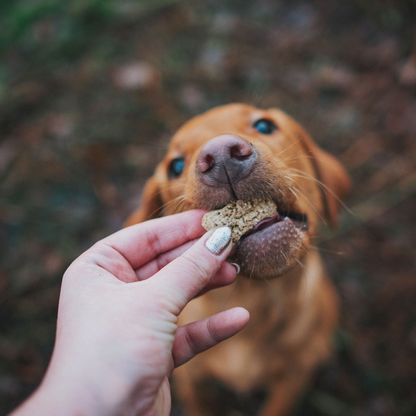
[241,216]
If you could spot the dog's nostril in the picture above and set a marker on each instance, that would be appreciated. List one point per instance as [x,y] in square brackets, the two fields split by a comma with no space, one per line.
[210,162]
[205,163]
[240,153]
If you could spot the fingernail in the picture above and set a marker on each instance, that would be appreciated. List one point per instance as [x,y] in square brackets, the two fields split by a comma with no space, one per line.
[236,267]
[219,240]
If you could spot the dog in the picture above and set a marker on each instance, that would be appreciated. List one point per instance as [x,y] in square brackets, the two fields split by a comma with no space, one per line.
[236,152]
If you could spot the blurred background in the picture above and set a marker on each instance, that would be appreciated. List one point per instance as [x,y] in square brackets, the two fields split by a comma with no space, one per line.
[91,92]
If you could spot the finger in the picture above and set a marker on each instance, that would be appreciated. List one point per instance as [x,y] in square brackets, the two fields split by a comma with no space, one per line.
[183,278]
[142,242]
[196,337]
[159,262]
[224,276]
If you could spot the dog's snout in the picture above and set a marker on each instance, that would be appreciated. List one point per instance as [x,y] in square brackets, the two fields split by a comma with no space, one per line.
[225,159]
[222,149]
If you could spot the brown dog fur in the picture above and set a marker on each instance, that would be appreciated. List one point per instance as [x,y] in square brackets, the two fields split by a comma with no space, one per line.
[293,306]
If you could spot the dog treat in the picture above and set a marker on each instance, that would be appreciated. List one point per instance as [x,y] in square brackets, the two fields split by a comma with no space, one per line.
[240,216]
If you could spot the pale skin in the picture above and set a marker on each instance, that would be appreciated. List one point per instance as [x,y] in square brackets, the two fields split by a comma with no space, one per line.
[117,337]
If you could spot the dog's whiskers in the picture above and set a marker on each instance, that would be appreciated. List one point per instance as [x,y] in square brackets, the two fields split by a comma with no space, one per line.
[181,199]
[323,250]
[300,263]
[287,148]
[307,200]
[297,157]
[284,198]
[301,174]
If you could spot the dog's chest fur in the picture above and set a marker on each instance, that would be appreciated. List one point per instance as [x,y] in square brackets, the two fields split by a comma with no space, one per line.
[284,318]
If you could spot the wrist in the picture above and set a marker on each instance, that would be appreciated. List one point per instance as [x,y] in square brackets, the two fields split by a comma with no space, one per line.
[62,394]
[57,400]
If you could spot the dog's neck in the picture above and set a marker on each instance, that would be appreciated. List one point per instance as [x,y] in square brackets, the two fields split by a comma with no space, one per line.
[293,281]
[291,291]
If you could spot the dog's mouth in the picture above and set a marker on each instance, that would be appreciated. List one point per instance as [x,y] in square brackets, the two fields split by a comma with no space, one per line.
[299,220]
[268,239]
[273,246]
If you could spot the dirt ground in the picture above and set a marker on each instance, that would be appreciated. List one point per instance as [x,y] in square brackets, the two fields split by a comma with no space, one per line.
[90,93]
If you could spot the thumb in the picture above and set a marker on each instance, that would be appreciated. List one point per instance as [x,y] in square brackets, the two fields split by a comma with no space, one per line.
[183,278]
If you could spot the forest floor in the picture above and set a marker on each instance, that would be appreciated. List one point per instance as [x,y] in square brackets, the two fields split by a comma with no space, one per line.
[90,93]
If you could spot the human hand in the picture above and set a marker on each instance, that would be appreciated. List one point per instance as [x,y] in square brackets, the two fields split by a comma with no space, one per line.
[117,337]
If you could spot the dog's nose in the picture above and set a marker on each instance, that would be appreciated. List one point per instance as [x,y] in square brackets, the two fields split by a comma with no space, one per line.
[225,159]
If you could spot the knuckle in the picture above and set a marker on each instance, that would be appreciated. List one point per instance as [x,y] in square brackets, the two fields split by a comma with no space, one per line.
[161,262]
[191,342]
[212,332]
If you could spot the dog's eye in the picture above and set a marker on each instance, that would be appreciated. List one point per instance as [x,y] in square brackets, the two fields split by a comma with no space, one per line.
[264,126]
[176,167]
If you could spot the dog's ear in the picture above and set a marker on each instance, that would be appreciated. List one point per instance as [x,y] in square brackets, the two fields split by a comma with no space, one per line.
[335,185]
[150,206]
[334,180]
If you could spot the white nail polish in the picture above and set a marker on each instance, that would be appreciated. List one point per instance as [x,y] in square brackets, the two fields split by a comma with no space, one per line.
[219,240]
[236,267]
